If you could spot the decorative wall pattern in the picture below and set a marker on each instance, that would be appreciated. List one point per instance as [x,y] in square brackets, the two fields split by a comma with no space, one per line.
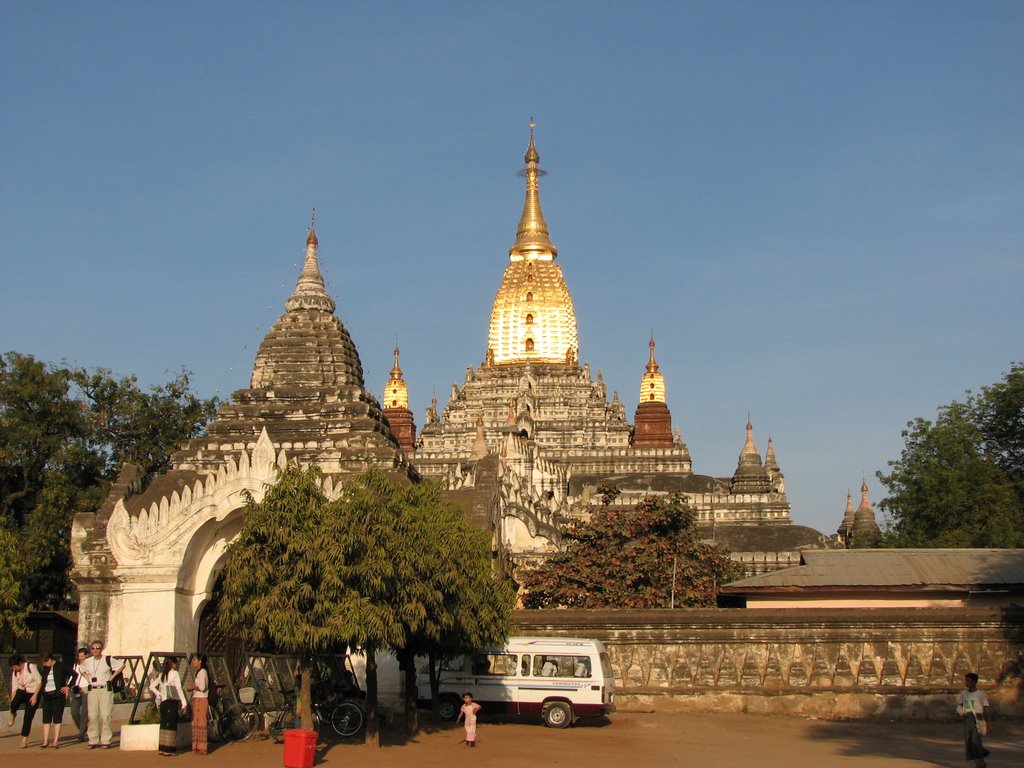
[664,657]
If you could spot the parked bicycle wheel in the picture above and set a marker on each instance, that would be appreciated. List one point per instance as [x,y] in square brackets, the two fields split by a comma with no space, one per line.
[347,719]
[285,721]
[213,726]
[238,722]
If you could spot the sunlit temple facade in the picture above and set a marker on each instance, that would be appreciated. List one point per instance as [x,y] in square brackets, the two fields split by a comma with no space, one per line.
[528,436]
[522,445]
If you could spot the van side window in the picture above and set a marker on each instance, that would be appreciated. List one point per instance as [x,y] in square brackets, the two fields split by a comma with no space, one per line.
[502,664]
[561,666]
[525,665]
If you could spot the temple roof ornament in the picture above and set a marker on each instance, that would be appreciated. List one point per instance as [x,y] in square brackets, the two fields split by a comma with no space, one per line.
[652,384]
[532,238]
[532,319]
[770,462]
[749,452]
[308,346]
[751,476]
[864,518]
[309,291]
[396,392]
[846,526]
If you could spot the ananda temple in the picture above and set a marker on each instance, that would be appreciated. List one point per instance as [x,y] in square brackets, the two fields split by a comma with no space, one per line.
[522,445]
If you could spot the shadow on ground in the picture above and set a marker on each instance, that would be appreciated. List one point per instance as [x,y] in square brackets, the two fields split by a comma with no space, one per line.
[938,744]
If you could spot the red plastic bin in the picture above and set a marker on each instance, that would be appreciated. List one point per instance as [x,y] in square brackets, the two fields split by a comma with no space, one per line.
[299,748]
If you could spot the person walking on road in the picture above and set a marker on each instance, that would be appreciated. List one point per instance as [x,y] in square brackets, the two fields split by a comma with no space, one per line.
[55,688]
[976,716]
[468,711]
[24,692]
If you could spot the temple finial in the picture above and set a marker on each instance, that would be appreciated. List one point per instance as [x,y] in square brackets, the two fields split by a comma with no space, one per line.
[652,364]
[311,237]
[309,291]
[532,239]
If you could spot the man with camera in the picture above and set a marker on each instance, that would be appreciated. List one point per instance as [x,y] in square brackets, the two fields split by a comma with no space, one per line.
[100,676]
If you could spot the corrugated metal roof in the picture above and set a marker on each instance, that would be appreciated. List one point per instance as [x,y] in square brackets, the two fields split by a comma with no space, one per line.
[920,568]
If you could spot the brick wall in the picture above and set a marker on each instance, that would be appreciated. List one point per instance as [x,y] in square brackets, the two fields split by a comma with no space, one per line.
[900,664]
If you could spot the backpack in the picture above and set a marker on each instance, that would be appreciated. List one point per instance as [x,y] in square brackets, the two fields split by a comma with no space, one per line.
[212,691]
[116,681]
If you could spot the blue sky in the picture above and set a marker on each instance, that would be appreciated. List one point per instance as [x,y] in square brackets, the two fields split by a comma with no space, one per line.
[817,207]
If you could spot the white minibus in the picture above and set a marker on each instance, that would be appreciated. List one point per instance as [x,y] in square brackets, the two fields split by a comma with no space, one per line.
[558,678]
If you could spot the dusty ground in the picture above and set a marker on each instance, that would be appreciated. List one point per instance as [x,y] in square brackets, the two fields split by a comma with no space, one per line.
[627,739]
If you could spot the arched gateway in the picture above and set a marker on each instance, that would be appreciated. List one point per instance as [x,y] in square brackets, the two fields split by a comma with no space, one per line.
[146,563]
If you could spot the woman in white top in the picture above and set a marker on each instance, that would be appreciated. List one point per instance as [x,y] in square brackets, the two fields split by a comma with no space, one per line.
[170,697]
[974,711]
[25,682]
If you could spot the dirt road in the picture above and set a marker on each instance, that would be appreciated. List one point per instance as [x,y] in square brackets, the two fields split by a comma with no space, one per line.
[628,739]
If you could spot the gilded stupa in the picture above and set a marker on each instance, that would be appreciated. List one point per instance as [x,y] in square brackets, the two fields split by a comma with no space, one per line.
[530,434]
[533,318]
[396,407]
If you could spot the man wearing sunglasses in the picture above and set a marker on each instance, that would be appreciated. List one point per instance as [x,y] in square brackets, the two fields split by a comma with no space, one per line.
[98,673]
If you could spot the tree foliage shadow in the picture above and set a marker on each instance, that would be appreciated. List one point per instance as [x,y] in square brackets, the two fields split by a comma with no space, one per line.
[930,743]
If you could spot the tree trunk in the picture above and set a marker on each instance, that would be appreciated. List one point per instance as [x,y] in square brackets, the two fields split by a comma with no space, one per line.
[435,684]
[304,703]
[407,661]
[372,720]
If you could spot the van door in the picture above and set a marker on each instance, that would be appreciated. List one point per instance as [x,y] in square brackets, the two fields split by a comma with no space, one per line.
[494,676]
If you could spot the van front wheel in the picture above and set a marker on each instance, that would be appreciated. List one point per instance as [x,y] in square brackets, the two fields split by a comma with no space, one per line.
[557,714]
[448,708]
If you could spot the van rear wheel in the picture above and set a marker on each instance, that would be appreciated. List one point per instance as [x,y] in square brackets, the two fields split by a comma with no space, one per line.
[557,714]
[448,709]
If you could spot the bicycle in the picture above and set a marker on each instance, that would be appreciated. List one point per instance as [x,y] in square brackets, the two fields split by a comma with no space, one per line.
[345,717]
[240,720]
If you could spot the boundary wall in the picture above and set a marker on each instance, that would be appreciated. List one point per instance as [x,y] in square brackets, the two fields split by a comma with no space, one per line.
[829,663]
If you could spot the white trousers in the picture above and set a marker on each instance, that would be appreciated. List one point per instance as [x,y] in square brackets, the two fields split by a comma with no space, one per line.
[101,705]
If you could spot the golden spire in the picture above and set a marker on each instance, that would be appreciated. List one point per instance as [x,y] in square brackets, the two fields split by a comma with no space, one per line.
[396,393]
[532,318]
[532,240]
[652,364]
[652,384]
[309,291]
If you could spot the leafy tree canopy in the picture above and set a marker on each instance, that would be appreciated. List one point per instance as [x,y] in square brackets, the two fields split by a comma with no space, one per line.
[624,557]
[12,614]
[959,481]
[386,565]
[63,435]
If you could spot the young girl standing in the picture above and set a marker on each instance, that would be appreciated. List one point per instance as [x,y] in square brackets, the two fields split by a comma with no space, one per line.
[469,710]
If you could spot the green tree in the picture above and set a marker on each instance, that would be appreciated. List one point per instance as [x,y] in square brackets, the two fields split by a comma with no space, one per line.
[128,424]
[948,488]
[999,412]
[625,557]
[454,600]
[281,584]
[388,565]
[63,436]
[12,613]
[421,576]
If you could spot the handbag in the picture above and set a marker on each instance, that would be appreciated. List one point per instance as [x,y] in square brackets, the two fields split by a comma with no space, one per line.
[981,725]
[185,714]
